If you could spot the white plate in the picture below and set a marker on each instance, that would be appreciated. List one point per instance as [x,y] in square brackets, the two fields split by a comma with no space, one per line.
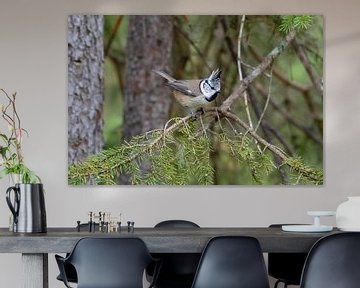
[350,229]
[321,213]
[306,228]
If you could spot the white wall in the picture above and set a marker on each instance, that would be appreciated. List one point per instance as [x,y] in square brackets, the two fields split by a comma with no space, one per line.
[33,62]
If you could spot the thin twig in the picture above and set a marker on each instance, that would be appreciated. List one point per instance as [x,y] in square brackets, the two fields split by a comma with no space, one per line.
[14,123]
[267,128]
[246,96]
[266,104]
[6,116]
[202,126]
[228,40]
[250,131]
[300,51]
[197,50]
[113,33]
[268,60]
[277,73]
[230,124]
[277,135]
[246,102]
[299,124]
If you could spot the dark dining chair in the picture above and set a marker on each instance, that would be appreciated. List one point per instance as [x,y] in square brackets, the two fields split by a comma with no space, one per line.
[178,269]
[286,267]
[108,263]
[232,262]
[333,262]
[70,271]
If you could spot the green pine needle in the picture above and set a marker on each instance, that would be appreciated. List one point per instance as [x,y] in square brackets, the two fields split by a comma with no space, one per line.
[295,22]
[182,157]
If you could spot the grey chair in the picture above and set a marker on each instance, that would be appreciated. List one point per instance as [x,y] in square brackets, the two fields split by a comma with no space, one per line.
[232,262]
[178,269]
[333,262]
[108,263]
[286,267]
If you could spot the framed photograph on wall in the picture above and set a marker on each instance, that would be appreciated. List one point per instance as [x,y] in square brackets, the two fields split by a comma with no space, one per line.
[195,100]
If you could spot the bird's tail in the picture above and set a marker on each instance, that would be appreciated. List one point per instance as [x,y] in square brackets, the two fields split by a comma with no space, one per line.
[164,75]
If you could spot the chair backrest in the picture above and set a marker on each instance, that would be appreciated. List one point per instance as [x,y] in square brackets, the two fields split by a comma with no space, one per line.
[176,224]
[333,262]
[178,269]
[232,262]
[110,262]
[287,267]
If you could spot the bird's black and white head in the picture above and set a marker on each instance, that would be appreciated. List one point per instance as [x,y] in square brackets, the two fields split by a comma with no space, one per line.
[210,87]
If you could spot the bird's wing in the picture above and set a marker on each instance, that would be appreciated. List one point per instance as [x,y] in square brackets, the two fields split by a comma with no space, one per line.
[164,75]
[190,88]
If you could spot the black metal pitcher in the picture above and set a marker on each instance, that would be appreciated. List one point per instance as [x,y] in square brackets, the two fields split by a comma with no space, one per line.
[28,208]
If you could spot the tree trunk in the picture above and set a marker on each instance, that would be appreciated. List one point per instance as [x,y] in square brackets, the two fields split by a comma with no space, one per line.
[147,100]
[85,86]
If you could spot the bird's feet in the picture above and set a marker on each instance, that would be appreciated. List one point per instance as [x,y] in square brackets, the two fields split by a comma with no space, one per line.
[199,112]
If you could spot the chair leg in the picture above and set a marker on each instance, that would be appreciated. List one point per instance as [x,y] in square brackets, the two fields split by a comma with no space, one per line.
[278,282]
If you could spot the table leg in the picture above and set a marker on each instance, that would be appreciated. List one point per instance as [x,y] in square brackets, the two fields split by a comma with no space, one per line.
[35,270]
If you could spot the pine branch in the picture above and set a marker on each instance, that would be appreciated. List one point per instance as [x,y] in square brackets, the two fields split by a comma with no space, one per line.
[193,162]
[314,175]
[111,162]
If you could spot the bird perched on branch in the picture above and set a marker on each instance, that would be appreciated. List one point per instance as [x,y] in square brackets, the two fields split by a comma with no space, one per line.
[194,94]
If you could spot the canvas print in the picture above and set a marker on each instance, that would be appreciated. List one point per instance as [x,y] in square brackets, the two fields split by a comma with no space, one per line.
[195,100]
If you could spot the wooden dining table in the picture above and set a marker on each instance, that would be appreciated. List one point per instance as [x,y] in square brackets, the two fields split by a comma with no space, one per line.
[35,247]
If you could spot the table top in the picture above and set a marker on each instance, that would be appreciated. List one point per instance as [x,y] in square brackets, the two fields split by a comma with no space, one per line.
[158,240]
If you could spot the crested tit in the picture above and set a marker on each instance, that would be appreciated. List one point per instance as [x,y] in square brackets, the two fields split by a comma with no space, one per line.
[194,94]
